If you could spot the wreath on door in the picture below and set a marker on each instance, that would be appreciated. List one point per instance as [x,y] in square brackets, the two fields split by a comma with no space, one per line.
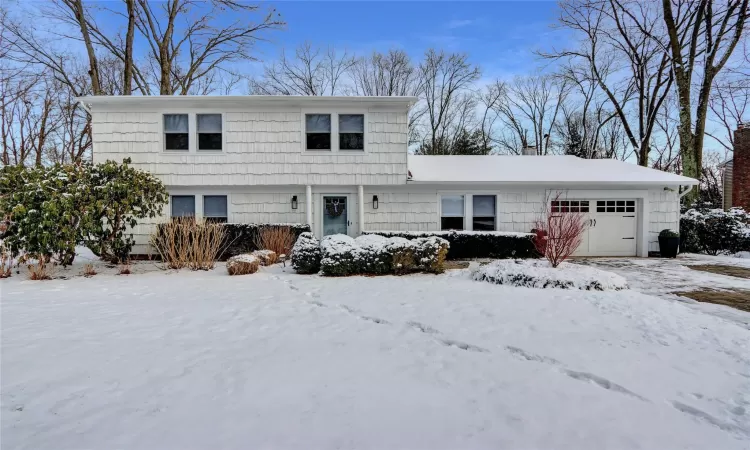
[334,208]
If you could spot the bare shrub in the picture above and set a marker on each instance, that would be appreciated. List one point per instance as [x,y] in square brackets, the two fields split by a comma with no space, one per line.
[242,264]
[124,269]
[88,270]
[266,257]
[558,230]
[277,239]
[41,269]
[186,242]
[6,261]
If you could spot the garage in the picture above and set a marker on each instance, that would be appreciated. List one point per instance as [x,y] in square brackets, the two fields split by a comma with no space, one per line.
[612,225]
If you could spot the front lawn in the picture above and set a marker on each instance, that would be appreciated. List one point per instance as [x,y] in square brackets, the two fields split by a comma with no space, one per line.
[278,360]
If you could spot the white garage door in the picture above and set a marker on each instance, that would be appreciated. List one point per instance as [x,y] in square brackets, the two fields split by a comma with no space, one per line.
[612,227]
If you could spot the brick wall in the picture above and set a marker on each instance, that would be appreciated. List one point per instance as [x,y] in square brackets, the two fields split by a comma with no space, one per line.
[741,168]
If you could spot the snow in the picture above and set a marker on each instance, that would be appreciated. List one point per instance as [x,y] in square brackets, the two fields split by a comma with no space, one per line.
[552,169]
[541,274]
[245,258]
[175,360]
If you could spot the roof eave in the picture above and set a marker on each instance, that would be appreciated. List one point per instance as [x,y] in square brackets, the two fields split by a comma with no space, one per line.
[687,182]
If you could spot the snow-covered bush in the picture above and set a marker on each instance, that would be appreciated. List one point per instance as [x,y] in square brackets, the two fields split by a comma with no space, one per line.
[242,264]
[371,254]
[49,210]
[119,196]
[430,254]
[306,254]
[541,274]
[476,244]
[340,256]
[715,231]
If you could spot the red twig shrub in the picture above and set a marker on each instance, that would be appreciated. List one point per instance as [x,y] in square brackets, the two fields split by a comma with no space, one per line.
[558,230]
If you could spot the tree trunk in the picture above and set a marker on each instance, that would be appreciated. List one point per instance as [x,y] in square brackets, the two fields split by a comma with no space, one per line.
[77,7]
[127,87]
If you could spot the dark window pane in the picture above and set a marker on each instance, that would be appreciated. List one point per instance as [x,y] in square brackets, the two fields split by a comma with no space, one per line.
[318,141]
[600,209]
[620,202]
[183,205]
[584,209]
[585,203]
[209,141]
[215,206]
[630,209]
[600,203]
[630,203]
[620,209]
[483,224]
[351,141]
[451,223]
[176,141]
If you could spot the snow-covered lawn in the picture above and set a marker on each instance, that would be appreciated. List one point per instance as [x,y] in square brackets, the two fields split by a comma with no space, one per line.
[166,360]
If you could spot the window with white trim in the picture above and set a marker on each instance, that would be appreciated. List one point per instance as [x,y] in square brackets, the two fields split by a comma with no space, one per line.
[183,206]
[570,206]
[452,212]
[215,208]
[318,131]
[209,131]
[351,131]
[615,206]
[176,132]
[483,213]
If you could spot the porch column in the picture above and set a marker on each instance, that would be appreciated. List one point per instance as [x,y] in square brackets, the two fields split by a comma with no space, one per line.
[361,196]
[308,205]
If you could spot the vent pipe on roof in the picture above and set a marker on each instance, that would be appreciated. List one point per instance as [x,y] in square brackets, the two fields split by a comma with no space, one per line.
[529,150]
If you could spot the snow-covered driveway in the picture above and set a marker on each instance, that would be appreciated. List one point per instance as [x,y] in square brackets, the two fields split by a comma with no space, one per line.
[277,360]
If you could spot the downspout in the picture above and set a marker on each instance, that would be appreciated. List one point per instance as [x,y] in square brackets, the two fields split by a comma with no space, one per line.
[690,188]
[308,207]
[361,195]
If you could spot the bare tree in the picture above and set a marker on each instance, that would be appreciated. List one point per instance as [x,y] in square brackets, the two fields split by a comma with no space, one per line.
[25,120]
[730,104]
[530,107]
[448,100]
[388,74]
[702,35]
[312,71]
[620,50]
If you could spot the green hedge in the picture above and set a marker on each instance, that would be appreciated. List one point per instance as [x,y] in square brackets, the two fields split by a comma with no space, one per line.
[476,244]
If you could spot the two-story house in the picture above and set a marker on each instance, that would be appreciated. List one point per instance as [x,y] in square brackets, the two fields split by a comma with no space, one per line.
[342,165]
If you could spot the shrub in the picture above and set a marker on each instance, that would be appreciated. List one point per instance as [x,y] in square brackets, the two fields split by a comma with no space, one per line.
[475,244]
[124,269]
[278,239]
[340,256]
[669,233]
[306,254]
[265,257]
[88,270]
[186,242]
[541,275]
[119,196]
[558,232]
[6,261]
[243,238]
[715,231]
[377,255]
[41,268]
[242,264]
[49,210]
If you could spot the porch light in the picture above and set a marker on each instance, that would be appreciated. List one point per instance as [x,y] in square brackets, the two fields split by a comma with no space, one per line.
[294,202]
[374,202]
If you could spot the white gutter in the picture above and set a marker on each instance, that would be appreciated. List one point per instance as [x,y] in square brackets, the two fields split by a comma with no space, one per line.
[690,188]
[84,106]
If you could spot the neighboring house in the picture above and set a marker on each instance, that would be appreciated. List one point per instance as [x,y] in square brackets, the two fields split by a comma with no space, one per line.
[736,180]
[341,164]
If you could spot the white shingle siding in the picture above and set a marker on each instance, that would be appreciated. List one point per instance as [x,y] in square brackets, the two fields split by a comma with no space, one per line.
[402,211]
[664,212]
[262,148]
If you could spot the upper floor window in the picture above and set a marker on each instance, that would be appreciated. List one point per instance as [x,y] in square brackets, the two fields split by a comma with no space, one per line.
[209,131]
[176,132]
[351,131]
[318,131]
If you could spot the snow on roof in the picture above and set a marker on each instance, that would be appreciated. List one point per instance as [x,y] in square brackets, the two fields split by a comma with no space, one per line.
[558,169]
[219,101]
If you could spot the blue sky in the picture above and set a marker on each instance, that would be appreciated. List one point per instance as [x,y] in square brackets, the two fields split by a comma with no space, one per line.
[499,36]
